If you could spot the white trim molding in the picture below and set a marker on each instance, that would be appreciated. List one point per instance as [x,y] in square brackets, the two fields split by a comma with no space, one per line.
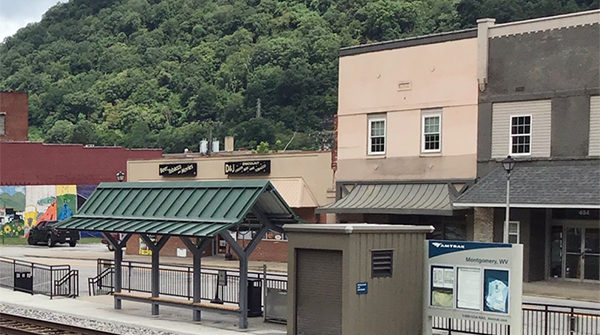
[503,204]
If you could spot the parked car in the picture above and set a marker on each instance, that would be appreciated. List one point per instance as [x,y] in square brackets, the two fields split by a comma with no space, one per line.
[46,232]
[117,237]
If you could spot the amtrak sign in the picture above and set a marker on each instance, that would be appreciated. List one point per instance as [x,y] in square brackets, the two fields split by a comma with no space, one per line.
[473,281]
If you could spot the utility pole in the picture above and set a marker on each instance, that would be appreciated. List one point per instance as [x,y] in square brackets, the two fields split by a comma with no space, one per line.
[258,111]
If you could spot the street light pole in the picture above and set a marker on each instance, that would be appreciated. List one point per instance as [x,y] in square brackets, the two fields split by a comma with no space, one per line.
[508,164]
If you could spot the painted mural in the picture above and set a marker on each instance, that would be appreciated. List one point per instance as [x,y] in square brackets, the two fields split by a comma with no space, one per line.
[22,207]
[12,204]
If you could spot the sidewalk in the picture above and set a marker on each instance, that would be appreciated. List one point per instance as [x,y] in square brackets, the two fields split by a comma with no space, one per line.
[94,254]
[133,318]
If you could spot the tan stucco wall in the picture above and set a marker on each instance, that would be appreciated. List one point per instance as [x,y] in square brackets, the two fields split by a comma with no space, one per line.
[441,75]
[313,167]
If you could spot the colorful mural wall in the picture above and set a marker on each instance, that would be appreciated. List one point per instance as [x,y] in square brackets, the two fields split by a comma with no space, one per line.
[22,207]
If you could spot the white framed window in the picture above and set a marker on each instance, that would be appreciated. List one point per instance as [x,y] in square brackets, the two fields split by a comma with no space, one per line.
[520,135]
[514,228]
[431,131]
[376,145]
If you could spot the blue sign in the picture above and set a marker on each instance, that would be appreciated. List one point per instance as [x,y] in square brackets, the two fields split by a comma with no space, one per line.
[362,288]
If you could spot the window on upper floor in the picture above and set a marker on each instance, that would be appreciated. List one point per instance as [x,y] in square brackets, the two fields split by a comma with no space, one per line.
[521,128]
[2,120]
[520,135]
[376,145]
[431,131]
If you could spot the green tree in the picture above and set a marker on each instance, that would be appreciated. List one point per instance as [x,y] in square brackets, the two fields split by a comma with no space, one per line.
[61,132]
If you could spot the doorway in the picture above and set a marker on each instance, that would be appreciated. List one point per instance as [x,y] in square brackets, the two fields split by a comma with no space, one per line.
[580,251]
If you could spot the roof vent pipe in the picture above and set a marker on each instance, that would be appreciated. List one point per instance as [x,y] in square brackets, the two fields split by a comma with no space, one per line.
[215,145]
[203,146]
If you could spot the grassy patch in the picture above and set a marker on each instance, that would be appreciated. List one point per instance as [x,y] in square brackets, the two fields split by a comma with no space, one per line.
[5,240]
[23,241]
[90,240]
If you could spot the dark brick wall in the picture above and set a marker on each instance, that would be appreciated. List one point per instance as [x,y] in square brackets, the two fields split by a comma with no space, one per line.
[14,106]
[29,163]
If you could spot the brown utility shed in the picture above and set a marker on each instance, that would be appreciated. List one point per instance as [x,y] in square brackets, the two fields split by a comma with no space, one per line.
[355,279]
[196,212]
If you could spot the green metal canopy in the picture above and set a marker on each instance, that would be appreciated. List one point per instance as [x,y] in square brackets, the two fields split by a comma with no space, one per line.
[198,209]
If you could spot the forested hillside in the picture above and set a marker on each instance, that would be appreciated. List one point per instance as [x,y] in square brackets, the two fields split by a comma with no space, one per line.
[151,73]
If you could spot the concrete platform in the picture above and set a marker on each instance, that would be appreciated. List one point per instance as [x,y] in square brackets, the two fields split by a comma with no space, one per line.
[170,320]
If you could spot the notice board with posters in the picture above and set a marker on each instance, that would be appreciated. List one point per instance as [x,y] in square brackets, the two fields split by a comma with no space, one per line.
[473,281]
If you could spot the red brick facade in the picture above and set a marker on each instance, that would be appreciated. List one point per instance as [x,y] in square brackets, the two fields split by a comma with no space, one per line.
[14,113]
[31,163]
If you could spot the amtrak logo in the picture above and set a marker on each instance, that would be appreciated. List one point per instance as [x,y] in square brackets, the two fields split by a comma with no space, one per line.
[448,245]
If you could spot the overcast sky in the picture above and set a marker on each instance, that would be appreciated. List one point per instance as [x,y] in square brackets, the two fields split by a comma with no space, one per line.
[15,14]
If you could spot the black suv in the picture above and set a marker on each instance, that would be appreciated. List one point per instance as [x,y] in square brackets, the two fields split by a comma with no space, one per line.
[46,232]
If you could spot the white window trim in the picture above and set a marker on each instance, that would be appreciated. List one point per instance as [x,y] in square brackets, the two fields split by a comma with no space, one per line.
[510,135]
[426,114]
[518,223]
[370,138]
[3,120]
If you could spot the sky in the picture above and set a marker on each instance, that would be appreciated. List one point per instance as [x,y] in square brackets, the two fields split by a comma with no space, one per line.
[16,14]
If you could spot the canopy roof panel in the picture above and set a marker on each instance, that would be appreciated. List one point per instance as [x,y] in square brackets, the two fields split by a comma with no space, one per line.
[178,208]
[431,199]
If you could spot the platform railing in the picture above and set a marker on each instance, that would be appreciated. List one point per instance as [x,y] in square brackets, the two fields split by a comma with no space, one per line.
[37,278]
[177,280]
[538,319]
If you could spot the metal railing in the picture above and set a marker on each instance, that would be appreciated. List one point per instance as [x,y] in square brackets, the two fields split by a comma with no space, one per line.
[177,280]
[538,319]
[558,319]
[37,278]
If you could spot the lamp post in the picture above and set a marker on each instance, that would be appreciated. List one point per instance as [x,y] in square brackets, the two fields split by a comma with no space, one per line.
[508,164]
[120,176]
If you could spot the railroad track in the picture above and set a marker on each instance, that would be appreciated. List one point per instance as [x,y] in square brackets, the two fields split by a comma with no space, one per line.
[20,325]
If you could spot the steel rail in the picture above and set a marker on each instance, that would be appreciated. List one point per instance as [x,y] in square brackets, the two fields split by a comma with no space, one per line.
[12,324]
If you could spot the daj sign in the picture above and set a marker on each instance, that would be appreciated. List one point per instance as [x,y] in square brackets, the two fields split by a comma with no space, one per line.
[248,167]
[473,281]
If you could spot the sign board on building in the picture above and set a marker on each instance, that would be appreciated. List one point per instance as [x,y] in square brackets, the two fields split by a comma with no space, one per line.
[178,169]
[248,167]
[474,281]
[362,288]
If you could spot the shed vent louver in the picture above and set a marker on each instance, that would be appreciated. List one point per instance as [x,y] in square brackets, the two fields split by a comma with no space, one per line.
[381,263]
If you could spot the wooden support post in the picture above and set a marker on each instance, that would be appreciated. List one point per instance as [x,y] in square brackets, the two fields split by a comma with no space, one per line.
[196,249]
[155,282]
[118,249]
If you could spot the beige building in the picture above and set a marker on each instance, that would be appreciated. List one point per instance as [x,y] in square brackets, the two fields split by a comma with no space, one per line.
[303,179]
[407,131]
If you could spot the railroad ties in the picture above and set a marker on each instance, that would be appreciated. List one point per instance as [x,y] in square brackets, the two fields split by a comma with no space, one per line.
[20,325]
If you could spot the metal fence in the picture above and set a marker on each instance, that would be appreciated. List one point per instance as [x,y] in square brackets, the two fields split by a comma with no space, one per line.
[177,280]
[36,278]
[538,319]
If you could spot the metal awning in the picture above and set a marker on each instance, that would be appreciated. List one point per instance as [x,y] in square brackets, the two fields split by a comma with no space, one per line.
[551,185]
[197,209]
[295,192]
[407,198]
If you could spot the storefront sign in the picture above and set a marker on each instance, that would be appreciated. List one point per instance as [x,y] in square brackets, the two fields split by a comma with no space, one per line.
[474,281]
[178,169]
[248,167]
